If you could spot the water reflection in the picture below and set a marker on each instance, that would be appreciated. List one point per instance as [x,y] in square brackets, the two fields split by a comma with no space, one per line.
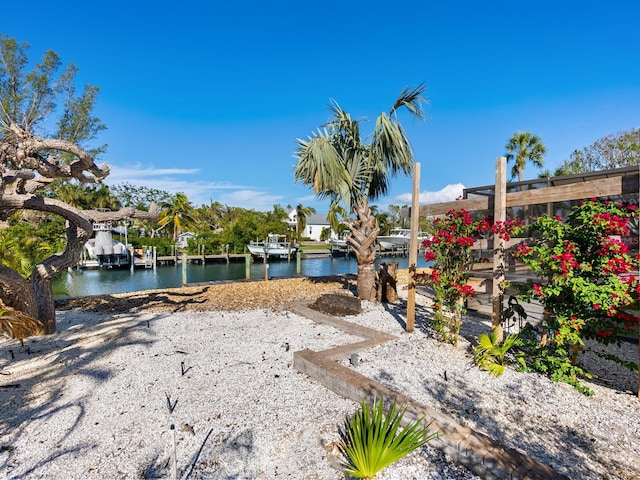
[104,281]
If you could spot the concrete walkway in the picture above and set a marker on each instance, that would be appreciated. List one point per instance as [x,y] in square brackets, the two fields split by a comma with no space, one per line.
[479,453]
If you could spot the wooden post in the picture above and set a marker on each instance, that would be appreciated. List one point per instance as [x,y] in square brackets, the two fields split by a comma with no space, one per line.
[247,266]
[499,215]
[155,257]
[184,269]
[413,248]
[298,262]
[266,265]
[387,281]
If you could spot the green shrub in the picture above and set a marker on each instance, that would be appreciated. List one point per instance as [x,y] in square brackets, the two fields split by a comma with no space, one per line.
[491,354]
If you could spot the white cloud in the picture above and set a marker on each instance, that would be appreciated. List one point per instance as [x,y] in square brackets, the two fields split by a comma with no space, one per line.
[199,192]
[250,199]
[307,199]
[445,194]
[133,173]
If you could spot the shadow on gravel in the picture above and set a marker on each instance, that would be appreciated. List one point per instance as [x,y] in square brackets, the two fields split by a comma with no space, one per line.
[74,451]
[174,301]
[398,311]
[575,444]
[228,456]
[33,381]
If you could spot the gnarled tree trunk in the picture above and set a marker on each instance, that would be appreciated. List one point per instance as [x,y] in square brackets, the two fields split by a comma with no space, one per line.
[34,297]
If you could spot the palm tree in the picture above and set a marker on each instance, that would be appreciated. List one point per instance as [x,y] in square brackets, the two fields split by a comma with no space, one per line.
[302,213]
[177,211]
[342,168]
[73,194]
[524,147]
[103,198]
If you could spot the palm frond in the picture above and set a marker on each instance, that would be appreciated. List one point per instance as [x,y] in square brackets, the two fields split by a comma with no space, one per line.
[391,154]
[320,165]
[412,100]
[14,324]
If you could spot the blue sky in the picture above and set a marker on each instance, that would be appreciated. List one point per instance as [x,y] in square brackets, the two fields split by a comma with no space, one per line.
[208,98]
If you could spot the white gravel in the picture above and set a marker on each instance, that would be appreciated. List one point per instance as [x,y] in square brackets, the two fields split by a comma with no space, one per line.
[93,400]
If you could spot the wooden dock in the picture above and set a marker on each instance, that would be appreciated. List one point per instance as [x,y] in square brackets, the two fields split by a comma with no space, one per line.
[200,259]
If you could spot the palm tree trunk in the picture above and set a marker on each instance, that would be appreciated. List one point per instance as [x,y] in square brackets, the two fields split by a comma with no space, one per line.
[366,284]
[364,231]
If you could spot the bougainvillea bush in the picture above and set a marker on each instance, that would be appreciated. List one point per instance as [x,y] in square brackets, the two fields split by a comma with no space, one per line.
[587,286]
[450,249]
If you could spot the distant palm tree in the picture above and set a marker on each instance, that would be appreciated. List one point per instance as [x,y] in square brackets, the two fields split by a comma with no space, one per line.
[339,166]
[279,212]
[523,148]
[72,193]
[302,213]
[177,211]
[103,198]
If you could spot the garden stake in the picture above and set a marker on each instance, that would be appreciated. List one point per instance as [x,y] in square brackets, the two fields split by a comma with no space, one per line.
[174,466]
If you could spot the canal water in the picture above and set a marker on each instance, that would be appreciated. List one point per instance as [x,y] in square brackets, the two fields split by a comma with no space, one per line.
[104,281]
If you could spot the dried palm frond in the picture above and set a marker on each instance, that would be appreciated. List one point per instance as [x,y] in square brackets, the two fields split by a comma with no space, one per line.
[14,324]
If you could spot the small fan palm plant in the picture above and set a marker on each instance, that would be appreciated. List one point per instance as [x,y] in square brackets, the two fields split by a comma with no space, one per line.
[371,440]
[491,354]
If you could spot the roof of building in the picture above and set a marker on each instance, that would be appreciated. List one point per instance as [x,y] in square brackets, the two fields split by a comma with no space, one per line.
[317,219]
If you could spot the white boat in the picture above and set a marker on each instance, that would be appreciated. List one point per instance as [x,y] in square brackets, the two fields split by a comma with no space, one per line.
[339,246]
[274,246]
[103,251]
[398,239]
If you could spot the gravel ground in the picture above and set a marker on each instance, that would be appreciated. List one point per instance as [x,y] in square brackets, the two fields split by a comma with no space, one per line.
[97,399]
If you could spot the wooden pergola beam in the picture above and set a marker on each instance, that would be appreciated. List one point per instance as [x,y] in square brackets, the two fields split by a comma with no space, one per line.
[605,187]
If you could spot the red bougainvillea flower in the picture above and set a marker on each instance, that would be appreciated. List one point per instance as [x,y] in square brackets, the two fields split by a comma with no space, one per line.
[465,241]
[603,333]
[523,250]
[537,289]
[465,290]
[435,275]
